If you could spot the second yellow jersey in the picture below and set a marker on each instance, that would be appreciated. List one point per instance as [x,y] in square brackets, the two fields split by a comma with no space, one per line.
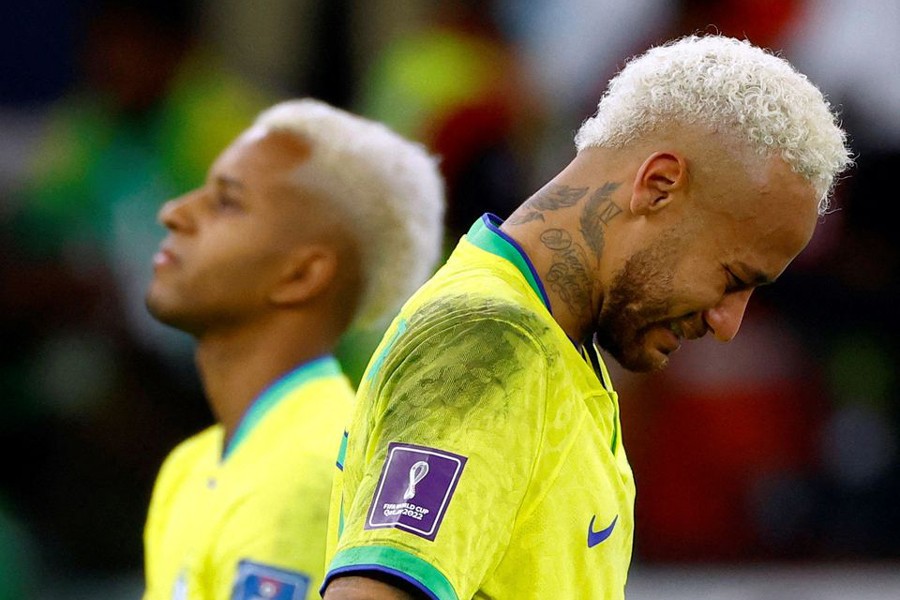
[248,521]
[484,458]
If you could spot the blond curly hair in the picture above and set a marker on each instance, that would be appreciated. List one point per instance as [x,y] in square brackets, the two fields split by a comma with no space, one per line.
[727,85]
[388,188]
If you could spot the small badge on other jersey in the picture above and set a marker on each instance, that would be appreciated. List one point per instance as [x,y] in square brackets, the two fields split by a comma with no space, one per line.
[256,581]
[180,589]
[415,489]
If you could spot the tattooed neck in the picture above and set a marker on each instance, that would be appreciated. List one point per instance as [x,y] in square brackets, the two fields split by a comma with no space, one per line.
[550,198]
[598,212]
[571,272]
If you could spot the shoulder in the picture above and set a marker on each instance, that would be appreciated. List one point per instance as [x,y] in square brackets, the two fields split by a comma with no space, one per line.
[300,435]
[186,457]
[461,333]
[461,362]
[478,315]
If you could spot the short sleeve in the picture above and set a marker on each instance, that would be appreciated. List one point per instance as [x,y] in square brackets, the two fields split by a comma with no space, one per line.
[441,453]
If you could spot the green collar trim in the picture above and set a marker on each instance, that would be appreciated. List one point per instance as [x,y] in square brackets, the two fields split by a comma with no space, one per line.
[485,233]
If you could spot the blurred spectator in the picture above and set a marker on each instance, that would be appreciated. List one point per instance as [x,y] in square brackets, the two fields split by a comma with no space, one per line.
[149,114]
[97,400]
[456,85]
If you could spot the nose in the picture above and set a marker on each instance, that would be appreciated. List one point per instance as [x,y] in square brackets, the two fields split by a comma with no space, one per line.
[175,214]
[725,318]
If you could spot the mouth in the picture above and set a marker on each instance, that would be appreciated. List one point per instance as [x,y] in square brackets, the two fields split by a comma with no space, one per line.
[164,257]
[671,339]
[661,339]
[684,330]
[673,333]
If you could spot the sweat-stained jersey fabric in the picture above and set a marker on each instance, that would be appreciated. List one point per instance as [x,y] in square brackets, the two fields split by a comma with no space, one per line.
[484,458]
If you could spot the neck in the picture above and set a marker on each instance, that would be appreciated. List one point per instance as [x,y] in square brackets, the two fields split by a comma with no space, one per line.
[237,365]
[565,270]
[563,229]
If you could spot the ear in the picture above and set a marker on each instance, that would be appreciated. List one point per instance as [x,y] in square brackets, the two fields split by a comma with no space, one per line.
[309,272]
[655,182]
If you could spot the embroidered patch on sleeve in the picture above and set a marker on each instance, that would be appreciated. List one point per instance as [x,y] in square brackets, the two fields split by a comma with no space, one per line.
[256,581]
[415,488]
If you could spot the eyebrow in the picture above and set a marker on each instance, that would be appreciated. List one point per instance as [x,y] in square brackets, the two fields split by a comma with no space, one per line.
[752,277]
[226,181]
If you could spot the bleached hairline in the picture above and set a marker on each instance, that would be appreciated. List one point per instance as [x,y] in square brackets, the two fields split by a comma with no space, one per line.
[414,245]
[823,187]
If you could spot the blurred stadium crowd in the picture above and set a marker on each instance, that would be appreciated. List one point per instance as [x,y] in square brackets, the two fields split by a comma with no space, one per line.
[782,446]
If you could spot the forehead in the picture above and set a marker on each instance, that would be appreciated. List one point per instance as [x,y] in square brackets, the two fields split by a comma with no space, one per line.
[261,153]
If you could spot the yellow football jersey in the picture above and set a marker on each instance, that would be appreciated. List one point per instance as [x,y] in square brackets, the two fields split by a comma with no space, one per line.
[484,458]
[249,520]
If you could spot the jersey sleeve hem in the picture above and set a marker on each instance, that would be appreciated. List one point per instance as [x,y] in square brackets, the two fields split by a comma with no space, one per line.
[392,561]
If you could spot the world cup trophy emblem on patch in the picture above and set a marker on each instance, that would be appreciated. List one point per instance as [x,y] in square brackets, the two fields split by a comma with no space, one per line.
[416,474]
[415,489]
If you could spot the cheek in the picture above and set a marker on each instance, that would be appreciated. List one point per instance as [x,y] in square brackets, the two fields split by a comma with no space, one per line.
[232,264]
[694,289]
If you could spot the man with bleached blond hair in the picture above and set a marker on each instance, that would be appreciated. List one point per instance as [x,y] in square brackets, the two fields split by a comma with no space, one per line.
[485,459]
[312,220]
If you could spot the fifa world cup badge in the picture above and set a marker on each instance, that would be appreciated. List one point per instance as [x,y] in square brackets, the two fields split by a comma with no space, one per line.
[416,486]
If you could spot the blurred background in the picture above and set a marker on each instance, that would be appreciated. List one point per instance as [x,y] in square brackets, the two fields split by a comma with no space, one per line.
[766,468]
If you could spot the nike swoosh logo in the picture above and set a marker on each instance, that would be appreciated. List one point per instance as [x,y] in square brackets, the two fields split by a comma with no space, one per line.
[595,537]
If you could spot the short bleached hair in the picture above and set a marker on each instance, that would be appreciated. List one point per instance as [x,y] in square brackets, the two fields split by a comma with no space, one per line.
[388,191]
[729,86]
